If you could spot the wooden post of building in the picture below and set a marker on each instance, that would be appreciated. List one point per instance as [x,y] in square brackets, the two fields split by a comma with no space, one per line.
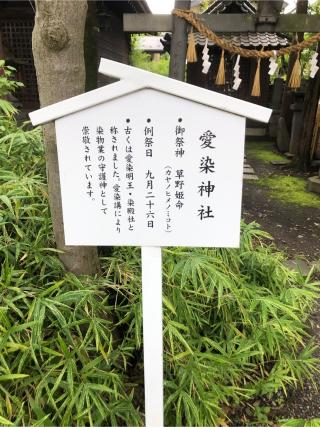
[268,12]
[179,43]
[90,47]
[1,48]
[302,8]
[310,107]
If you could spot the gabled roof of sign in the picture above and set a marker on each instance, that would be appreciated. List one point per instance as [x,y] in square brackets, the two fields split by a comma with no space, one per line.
[132,80]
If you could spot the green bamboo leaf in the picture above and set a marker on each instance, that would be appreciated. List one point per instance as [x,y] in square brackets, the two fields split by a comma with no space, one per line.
[7,108]
[100,387]
[7,202]
[73,296]
[11,377]
[181,355]
[42,422]
[5,421]
[168,304]
[52,288]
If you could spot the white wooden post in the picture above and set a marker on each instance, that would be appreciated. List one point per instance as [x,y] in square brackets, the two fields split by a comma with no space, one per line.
[152,335]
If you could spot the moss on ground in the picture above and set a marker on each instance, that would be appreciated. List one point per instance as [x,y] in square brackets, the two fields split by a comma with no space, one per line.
[290,189]
[263,151]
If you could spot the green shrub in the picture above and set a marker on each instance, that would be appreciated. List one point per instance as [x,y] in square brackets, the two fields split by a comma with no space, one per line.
[71,348]
[315,422]
[7,86]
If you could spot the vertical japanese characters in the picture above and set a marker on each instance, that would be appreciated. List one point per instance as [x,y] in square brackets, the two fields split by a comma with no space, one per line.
[180,142]
[88,161]
[148,138]
[179,154]
[149,176]
[117,200]
[179,186]
[110,169]
[168,198]
[102,176]
[150,196]
[129,176]
[207,169]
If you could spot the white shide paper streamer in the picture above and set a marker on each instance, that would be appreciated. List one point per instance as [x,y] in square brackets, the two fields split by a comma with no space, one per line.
[273,66]
[205,58]
[236,74]
[313,65]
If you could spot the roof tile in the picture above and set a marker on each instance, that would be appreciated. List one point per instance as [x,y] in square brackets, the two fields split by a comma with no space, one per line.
[247,39]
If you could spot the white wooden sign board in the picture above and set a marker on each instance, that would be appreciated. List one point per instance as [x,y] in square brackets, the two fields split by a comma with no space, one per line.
[151,169]
[150,161]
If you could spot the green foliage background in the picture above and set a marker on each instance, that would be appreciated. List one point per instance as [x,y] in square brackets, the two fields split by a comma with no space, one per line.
[141,59]
[71,348]
[7,86]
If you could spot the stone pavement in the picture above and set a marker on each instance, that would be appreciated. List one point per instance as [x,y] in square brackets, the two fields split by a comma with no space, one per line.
[248,172]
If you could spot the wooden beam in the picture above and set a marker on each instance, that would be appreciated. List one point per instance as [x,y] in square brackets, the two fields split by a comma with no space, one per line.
[179,42]
[311,101]
[140,23]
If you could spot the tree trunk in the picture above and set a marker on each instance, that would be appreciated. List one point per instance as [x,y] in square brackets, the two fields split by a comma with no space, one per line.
[57,43]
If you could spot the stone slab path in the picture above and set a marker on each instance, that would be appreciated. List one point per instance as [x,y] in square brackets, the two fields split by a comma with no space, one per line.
[248,171]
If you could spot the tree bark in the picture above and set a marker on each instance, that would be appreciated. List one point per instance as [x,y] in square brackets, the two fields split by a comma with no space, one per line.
[57,43]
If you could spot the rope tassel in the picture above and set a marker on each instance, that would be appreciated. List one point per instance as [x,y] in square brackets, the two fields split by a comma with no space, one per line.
[256,90]
[191,52]
[220,79]
[295,77]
